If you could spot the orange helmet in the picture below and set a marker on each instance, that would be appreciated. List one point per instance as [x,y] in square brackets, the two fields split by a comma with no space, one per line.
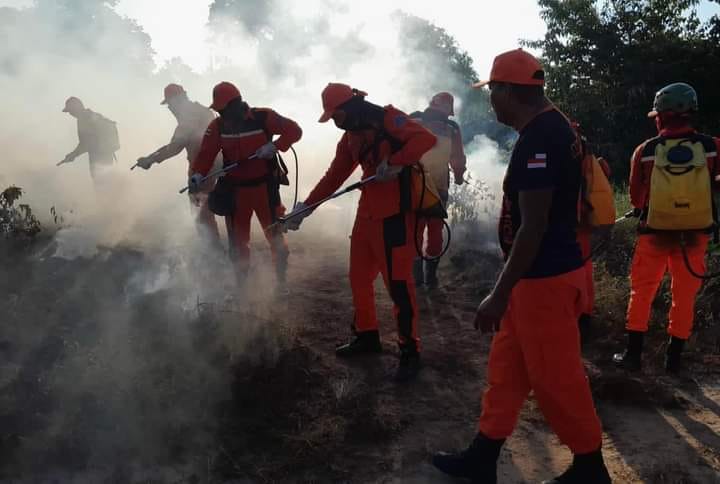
[443,102]
[335,95]
[73,103]
[172,90]
[223,93]
[515,67]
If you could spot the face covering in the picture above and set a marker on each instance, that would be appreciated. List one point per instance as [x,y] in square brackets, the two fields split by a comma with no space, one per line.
[361,115]
[235,111]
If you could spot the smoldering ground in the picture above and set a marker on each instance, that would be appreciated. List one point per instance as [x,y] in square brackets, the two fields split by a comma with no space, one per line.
[121,329]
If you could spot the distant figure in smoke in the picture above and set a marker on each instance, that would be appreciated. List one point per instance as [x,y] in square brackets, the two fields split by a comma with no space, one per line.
[245,136]
[448,151]
[193,120]
[381,140]
[97,136]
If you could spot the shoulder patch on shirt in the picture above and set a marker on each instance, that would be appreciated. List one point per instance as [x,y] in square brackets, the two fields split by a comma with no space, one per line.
[400,120]
[538,161]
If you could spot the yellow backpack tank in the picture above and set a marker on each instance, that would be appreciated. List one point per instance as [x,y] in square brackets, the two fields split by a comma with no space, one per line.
[598,204]
[680,183]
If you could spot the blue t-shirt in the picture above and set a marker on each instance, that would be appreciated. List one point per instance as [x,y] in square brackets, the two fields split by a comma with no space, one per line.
[547,155]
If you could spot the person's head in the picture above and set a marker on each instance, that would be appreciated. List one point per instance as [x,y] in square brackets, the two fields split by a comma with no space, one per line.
[443,103]
[74,107]
[516,85]
[674,106]
[228,102]
[174,96]
[348,109]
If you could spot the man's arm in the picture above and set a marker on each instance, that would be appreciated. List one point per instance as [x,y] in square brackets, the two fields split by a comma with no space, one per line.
[288,130]
[415,138]
[340,170]
[208,150]
[638,184]
[458,160]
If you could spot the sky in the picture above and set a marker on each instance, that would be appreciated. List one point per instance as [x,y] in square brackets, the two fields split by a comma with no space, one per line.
[483,32]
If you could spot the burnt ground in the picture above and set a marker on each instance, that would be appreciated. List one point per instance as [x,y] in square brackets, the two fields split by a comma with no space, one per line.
[111,373]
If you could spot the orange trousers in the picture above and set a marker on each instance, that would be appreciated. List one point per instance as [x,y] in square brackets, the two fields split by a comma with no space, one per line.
[432,244]
[654,255]
[267,207]
[585,240]
[538,349]
[385,247]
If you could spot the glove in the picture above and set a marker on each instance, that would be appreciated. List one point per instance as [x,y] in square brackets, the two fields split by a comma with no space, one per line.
[294,223]
[145,162]
[385,172]
[266,151]
[195,182]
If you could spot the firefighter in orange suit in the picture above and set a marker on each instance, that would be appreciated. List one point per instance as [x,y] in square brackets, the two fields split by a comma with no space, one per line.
[253,187]
[382,140]
[659,248]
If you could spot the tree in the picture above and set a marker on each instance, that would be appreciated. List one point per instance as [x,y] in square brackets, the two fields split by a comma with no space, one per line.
[605,61]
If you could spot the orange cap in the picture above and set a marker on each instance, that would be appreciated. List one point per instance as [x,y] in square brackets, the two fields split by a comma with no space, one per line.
[223,93]
[335,95]
[172,90]
[515,67]
[443,102]
[73,102]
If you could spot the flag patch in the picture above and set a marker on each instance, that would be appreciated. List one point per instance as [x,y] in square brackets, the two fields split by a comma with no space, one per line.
[538,161]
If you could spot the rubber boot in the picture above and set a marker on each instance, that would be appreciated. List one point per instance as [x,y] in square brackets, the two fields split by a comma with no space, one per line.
[409,365]
[477,463]
[673,357]
[631,358]
[585,469]
[364,343]
[418,273]
[431,280]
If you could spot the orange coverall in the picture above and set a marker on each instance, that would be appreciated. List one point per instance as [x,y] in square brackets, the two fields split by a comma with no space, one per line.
[657,252]
[382,240]
[256,190]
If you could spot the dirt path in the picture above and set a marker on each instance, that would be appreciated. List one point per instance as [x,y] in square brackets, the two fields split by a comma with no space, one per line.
[102,383]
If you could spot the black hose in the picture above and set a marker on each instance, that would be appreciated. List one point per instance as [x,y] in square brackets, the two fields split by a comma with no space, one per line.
[297,177]
[686,259]
[418,249]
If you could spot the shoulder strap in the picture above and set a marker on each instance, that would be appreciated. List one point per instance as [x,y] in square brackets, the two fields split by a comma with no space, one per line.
[650,145]
[708,143]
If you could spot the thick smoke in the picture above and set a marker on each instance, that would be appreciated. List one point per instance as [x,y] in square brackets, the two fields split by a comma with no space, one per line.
[133,283]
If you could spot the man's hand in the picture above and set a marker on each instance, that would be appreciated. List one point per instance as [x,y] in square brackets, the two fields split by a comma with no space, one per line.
[459,178]
[491,311]
[386,172]
[294,222]
[145,162]
[266,151]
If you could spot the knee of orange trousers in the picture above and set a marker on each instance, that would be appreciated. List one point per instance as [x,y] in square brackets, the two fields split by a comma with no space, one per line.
[684,287]
[508,385]
[238,239]
[434,237]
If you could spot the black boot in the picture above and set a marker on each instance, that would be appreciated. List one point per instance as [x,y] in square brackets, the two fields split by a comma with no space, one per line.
[477,463]
[366,342]
[418,273]
[673,357]
[585,469]
[431,280]
[631,358]
[409,364]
